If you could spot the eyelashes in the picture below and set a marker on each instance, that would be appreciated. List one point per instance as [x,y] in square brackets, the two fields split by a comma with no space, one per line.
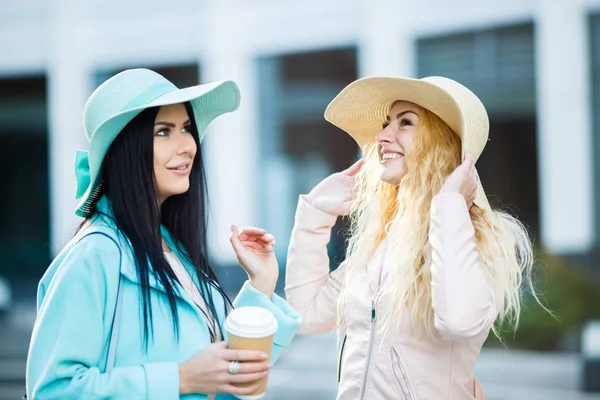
[167,131]
[406,122]
[402,122]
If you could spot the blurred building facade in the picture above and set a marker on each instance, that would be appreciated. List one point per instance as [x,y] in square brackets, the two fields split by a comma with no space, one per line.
[534,63]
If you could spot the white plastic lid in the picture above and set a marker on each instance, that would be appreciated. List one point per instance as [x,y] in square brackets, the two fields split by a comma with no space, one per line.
[251,322]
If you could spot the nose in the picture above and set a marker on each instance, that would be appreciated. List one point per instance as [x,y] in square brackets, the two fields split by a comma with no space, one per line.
[385,136]
[185,144]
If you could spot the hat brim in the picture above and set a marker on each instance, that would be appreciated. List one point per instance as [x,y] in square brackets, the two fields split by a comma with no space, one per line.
[208,101]
[361,108]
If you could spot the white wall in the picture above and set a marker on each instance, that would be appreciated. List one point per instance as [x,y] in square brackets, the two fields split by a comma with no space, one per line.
[231,145]
[564,127]
[24,26]
[69,85]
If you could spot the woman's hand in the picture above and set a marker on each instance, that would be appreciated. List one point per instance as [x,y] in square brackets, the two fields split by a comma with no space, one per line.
[207,372]
[334,194]
[463,180]
[254,251]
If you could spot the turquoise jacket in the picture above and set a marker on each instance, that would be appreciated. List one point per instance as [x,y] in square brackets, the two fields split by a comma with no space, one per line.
[76,303]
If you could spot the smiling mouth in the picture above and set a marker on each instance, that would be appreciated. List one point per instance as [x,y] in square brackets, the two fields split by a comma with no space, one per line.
[391,156]
[180,168]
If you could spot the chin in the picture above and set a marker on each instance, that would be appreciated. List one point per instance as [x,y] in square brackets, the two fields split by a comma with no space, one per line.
[181,190]
[391,180]
[391,177]
[178,190]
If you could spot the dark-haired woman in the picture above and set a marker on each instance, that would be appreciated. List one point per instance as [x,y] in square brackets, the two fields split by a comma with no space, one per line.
[131,309]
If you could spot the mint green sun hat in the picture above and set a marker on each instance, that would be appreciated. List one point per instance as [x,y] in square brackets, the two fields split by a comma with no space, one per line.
[118,100]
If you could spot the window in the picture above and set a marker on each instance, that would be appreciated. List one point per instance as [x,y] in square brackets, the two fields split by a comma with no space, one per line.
[498,66]
[24,177]
[298,147]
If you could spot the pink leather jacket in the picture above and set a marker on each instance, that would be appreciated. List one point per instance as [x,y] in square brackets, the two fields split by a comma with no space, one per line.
[399,365]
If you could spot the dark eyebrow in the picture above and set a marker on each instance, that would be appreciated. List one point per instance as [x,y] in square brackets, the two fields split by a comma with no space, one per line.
[401,114]
[170,124]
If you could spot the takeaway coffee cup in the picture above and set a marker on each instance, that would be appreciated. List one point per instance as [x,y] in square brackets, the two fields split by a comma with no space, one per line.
[251,328]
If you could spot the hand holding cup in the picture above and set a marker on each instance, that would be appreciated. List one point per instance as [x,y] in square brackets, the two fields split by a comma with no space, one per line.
[207,372]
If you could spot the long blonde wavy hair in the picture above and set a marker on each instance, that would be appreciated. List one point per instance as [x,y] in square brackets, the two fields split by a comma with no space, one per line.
[402,214]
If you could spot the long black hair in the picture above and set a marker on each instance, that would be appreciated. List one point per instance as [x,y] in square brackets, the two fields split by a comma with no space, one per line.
[128,181]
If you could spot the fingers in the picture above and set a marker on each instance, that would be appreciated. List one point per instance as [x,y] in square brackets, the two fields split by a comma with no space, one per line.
[243,355]
[254,367]
[354,168]
[235,390]
[245,378]
[468,160]
[250,230]
[256,235]
[250,235]
[474,178]
[468,166]
[249,371]
[266,238]
[260,246]
[234,239]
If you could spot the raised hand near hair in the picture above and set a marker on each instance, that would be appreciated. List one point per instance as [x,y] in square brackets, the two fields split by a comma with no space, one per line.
[334,194]
[254,251]
[207,372]
[463,180]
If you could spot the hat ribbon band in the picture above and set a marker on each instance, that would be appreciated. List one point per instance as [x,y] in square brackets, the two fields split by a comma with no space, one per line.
[82,172]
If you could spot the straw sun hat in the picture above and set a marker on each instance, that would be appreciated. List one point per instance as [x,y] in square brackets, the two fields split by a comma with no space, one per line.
[361,107]
[118,100]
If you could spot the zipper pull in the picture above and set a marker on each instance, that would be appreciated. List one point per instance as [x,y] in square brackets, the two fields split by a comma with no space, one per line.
[373,313]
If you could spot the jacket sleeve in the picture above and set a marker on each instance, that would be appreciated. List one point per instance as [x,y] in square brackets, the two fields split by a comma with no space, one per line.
[288,320]
[310,287]
[70,335]
[463,300]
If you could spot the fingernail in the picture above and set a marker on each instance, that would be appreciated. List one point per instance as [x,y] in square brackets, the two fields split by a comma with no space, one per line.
[264,355]
[269,365]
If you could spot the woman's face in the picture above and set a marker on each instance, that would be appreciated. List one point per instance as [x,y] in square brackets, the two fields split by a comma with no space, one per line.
[395,140]
[174,151]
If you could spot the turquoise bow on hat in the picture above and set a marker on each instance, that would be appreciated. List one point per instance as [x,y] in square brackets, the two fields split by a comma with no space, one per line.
[82,172]
[118,100]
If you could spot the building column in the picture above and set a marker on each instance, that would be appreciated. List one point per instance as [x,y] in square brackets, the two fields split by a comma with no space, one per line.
[69,85]
[386,48]
[231,144]
[564,127]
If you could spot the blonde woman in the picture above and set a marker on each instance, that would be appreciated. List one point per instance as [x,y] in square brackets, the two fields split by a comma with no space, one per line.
[430,266]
